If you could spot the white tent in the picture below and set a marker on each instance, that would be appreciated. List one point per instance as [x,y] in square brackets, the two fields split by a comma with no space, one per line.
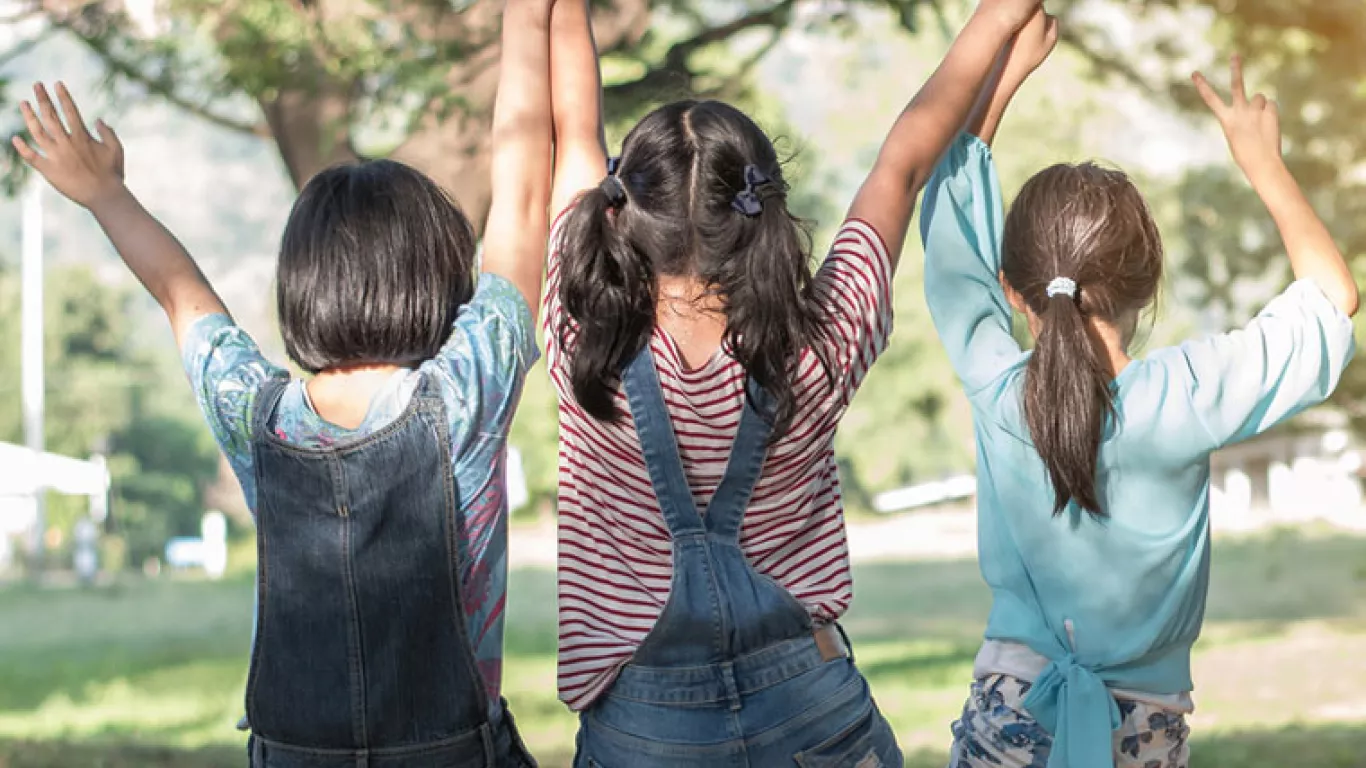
[25,473]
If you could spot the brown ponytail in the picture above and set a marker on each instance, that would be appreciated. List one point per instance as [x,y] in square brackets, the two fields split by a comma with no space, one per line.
[1091,227]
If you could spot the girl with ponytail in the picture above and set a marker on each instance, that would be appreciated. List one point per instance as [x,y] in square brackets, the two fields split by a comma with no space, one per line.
[702,370]
[1094,468]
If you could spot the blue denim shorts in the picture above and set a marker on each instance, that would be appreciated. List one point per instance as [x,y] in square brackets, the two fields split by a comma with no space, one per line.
[822,718]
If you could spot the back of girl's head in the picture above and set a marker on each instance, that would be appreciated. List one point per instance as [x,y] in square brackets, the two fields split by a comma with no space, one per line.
[375,262]
[1088,225]
[699,193]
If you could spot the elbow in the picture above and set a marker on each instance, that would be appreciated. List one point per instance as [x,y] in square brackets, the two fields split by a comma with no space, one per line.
[1342,292]
[523,208]
[1350,300]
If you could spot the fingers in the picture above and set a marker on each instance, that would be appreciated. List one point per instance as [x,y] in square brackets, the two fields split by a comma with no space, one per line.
[1258,102]
[1052,31]
[1211,97]
[72,113]
[29,154]
[110,139]
[35,127]
[51,119]
[107,135]
[1239,87]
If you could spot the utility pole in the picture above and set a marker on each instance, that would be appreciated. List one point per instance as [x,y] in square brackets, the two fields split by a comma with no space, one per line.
[32,349]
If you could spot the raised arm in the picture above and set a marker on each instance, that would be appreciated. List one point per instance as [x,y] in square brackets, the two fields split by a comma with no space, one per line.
[576,91]
[933,119]
[1253,129]
[962,222]
[89,171]
[1030,48]
[515,238]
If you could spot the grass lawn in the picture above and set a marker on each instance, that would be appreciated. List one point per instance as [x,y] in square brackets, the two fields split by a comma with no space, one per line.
[150,673]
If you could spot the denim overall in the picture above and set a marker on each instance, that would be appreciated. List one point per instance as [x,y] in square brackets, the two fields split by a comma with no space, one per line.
[361,658]
[731,674]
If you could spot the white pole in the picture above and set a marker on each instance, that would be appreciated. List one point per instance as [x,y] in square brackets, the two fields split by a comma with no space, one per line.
[32,354]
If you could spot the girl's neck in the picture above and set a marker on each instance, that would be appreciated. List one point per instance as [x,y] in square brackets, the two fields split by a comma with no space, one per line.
[341,396]
[1114,347]
[693,316]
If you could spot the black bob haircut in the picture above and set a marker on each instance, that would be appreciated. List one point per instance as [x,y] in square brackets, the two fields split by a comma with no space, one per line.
[375,262]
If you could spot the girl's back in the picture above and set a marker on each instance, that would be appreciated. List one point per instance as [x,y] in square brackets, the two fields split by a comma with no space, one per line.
[1133,579]
[612,588]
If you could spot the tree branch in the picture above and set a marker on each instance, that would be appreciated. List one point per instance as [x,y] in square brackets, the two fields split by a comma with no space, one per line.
[674,69]
[157,86]
[1105,65]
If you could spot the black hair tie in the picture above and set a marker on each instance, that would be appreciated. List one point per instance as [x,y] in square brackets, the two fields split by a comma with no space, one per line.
[615,191]
[748,201]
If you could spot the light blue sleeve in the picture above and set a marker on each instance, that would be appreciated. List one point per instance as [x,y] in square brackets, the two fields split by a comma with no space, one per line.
[961,224]
[226,369]
[1289,358]
[484,362]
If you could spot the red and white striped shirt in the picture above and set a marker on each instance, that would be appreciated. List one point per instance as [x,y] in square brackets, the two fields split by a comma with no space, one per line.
[614,547]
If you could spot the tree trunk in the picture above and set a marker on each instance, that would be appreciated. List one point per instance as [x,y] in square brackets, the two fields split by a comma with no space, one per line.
[312,133]
[310,130]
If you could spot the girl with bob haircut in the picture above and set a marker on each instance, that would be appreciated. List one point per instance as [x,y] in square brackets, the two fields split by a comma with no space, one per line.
[702,370]
[377,484]
[1093,468]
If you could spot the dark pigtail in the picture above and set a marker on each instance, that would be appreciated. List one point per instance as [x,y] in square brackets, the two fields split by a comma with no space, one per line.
[766,278]
[698,193]
[607,288]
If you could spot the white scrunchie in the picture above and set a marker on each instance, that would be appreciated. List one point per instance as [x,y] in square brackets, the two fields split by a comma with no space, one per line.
[1062,286]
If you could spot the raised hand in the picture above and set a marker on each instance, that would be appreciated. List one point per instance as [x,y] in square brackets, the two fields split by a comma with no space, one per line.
[1011,14]
[1033,44]
[77,164]
[1252,126]
[1028,49]
[90,172]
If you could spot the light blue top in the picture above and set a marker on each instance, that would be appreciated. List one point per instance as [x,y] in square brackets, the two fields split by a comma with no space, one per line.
[1132,585]
[479,374]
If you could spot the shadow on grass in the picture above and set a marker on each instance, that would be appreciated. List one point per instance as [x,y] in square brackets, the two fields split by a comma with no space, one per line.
[1303,747]
[928,668]
[58,754]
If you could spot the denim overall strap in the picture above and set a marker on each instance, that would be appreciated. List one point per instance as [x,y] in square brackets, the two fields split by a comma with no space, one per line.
[726,511]
[719,607]
[660,446]
[267,400]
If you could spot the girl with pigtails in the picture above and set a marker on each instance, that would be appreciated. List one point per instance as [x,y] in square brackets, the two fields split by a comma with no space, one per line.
[1093,467]
[702,370]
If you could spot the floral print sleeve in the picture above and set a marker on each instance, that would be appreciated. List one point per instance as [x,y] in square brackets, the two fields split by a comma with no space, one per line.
[226,369]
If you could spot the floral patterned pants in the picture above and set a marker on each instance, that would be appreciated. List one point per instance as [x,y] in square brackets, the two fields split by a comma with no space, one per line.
[996,732]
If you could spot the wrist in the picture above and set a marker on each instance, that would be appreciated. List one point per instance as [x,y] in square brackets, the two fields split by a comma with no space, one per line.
[999,25]
[1269,175]
[107,197]
[1276,188]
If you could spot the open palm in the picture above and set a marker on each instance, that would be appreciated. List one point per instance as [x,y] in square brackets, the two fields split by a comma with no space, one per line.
[78,165]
